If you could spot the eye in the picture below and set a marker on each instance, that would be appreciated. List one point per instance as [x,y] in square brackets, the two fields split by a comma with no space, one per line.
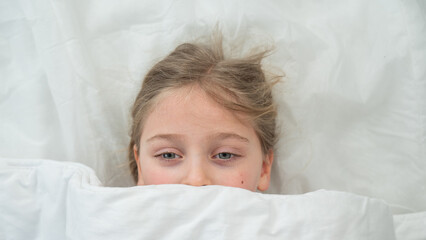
[224,156]
[168,156]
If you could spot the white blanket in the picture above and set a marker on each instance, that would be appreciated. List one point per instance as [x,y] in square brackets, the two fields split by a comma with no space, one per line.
[42,199]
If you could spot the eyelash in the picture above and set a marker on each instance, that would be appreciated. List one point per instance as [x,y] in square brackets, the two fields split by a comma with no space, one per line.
[167,159]
[231,158]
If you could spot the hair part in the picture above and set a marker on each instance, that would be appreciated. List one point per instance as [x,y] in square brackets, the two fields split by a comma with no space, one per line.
[238,84]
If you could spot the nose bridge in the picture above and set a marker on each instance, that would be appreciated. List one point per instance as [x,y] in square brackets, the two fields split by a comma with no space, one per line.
[197,173]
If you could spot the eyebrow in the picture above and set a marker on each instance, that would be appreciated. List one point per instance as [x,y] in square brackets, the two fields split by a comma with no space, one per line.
[225,135]
[217,136]
[169,137]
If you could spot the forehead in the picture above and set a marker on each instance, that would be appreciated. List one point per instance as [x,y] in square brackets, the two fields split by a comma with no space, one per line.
[190,110]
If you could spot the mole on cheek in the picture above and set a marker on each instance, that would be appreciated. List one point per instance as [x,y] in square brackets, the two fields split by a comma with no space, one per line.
[242,182]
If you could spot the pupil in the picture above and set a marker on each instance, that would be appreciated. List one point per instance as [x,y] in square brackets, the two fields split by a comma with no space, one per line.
[168,155]
[224,155]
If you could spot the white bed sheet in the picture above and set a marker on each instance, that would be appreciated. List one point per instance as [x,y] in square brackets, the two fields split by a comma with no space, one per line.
[352,107]
[42,199]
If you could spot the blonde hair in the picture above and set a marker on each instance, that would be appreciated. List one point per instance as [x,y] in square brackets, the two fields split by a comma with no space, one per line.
[238,84]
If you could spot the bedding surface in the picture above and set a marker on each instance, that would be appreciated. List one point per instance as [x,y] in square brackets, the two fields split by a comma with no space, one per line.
[43,199]
[351,107]
[410,226]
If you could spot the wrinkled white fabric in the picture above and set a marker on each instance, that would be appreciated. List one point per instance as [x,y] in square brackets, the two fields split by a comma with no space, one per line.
[41,199]
[352,105]
[410,226]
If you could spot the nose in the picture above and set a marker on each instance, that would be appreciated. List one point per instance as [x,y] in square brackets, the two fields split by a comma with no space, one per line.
[197,176]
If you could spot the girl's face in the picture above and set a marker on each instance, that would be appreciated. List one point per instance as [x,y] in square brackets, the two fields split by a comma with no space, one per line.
[190,139]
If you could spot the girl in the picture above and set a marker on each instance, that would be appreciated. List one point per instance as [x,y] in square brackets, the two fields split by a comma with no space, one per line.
[203,119]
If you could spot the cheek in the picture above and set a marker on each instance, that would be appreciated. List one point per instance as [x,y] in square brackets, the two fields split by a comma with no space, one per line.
[240,179]
[155,175]
[249,181]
